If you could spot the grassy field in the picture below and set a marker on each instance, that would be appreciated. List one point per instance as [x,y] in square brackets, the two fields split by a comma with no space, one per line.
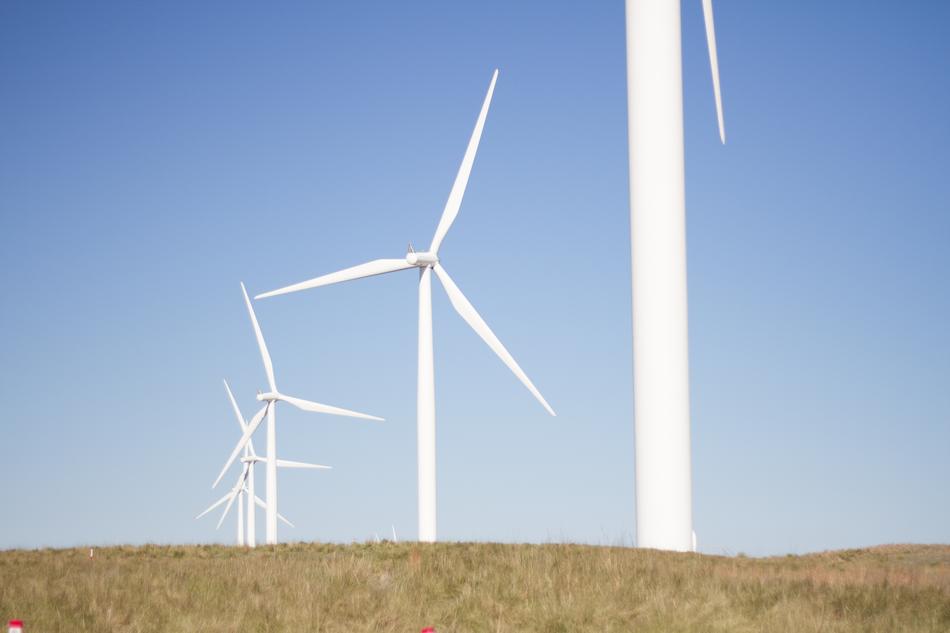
[472,587]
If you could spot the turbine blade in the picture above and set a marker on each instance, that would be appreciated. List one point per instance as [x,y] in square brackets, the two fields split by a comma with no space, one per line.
[233,495]
[461,179]
[316,407]
[714,64]
[468,312]
[251,427]
[214,505]
[369,269]
[260,503]
[234,405]
[286,463]
[265,355]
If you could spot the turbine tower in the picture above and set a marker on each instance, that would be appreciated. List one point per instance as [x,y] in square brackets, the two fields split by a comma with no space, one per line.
[428,263]
[658,234]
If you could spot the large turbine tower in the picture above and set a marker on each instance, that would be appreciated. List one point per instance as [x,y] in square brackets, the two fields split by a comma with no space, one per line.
[658,233]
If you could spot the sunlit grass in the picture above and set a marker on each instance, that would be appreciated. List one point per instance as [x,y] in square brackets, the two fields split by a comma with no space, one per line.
[472,587]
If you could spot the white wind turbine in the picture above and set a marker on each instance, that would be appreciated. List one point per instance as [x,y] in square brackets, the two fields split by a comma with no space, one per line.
[249,459]
[658,234]
[270,399]
[249,480]
[428,262]
[242,489]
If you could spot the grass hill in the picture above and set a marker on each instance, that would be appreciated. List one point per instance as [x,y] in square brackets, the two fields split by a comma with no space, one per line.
[472,587]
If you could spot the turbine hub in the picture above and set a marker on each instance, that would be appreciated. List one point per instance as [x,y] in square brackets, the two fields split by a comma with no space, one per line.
[421,259]
[270,396]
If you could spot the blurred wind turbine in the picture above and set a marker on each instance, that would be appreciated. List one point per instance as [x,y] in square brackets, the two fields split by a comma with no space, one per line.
[270,399]
[428,262]
[658,234]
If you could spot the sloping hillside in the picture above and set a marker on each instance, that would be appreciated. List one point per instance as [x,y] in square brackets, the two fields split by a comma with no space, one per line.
[472,587]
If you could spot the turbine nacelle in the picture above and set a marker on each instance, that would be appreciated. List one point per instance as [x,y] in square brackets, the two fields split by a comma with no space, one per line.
[269,396]
[421,259]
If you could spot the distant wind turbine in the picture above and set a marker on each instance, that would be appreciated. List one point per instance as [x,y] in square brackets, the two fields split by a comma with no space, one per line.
[249,460]
[428,262]
[251,539]
[239,491]
[270,399]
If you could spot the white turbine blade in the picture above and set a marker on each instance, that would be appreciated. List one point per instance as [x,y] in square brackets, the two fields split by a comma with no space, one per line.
[240,418]
[467,312]
[461,179]
[316,407]
[234,405]
[369,269]
[214,505]
[233,495]
[260,503]
[286,463]
[714,64]
[251,427]
[235,492]
[265,355]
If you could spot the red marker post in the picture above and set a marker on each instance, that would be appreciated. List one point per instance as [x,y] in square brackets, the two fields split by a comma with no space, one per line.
[16,626]
[428,629]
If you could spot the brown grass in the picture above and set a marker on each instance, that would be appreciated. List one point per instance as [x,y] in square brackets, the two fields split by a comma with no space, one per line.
[472,587]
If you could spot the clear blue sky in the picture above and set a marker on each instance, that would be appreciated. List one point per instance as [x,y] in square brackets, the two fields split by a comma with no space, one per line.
[152,158]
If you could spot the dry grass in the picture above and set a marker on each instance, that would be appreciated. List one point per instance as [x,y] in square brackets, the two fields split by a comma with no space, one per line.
[473,587]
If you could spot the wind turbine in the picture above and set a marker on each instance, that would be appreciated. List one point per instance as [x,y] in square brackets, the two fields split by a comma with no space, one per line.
[270,399]
[428,263]
[236,492]
[251,540]
[249,459]
[239,491]
[658,234]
